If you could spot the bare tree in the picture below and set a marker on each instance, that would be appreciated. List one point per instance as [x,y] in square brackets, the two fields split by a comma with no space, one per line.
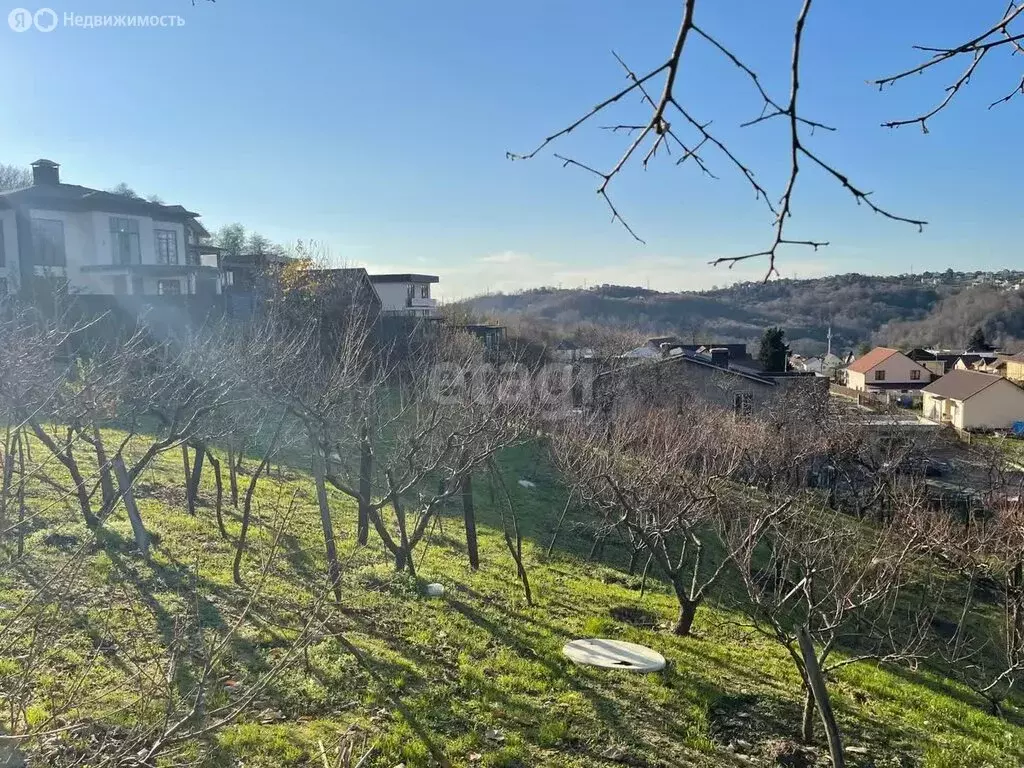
[657,475]
[14,177]
[670,125]
[817,581]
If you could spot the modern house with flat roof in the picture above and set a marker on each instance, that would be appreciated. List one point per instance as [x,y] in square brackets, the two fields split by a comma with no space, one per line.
[406,294]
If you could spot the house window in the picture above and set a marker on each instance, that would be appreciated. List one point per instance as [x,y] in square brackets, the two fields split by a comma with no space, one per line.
[120,285]
[410,294]
[48,242]
[743,403]
[166,246]
[124,237]
[168,287]
[879,375]
[915,375]
[424,291]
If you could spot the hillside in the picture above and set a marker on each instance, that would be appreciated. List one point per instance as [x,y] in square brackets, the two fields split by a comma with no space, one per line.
[478,671]
[860,309]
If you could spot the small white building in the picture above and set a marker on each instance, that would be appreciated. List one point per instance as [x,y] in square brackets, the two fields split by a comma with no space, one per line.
[406,294]
[97,242]
[972,400]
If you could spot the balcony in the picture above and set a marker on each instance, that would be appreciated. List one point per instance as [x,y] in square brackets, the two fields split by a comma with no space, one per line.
[415,302]
[153,270]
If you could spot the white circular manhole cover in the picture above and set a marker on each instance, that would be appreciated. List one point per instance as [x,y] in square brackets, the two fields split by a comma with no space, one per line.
[614,654]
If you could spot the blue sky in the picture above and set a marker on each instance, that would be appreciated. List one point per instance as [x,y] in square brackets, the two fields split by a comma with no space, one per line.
[379,128]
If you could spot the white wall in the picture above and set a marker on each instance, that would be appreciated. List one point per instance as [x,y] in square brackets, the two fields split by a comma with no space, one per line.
[79,247]
[897,371]
[393,296]
[88,242]
[995,407]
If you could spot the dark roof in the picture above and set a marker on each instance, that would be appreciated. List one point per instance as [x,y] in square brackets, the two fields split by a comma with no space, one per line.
[694,359]
[405,278]
[962,385]
[72,197]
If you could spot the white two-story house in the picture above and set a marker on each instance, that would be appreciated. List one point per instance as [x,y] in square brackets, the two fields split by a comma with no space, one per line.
[406,294]
[98,242]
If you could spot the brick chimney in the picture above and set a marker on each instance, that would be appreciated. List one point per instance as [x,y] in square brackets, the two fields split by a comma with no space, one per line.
[45,172]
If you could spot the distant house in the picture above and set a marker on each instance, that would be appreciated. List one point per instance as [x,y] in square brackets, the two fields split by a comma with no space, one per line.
[95,242]
[937,361]
[971,400]
[985,362]
[659,346]
[683,379]
[406,294]
[1014,367]
[884,369]
[491,336]
[567,351]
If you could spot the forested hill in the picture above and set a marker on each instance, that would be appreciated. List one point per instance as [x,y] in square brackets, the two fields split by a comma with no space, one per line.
[933,308]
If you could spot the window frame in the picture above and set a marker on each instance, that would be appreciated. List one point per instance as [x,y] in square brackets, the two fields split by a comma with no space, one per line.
[119,236]
[161,238]
[37,226]
[425,291]
[163,283]
[880,374]
[915,375]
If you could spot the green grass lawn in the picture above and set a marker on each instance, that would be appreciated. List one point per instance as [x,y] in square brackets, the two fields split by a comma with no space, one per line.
[481,671]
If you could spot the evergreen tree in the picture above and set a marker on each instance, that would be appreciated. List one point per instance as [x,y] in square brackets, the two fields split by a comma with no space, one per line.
[774,352]
[978,342]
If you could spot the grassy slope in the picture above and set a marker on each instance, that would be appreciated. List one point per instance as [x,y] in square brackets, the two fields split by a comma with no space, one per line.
[481,670]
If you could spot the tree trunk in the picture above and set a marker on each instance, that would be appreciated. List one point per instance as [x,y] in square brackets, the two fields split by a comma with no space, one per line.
[219,482]
[192,490]
[817,685]
[807,722]
[643,579]
[233,478]
[124,482]
[8,474]
[469,515]
[67,458]
[687,612]
[333,569]
[21,495]
[365,483]
[632,561]
[106,480]
[236,567]
[187,465]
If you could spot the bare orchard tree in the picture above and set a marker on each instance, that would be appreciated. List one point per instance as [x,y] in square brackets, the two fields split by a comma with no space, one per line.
[983,642]
[820,583]
[139,695]
[657,474]
[449,416]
